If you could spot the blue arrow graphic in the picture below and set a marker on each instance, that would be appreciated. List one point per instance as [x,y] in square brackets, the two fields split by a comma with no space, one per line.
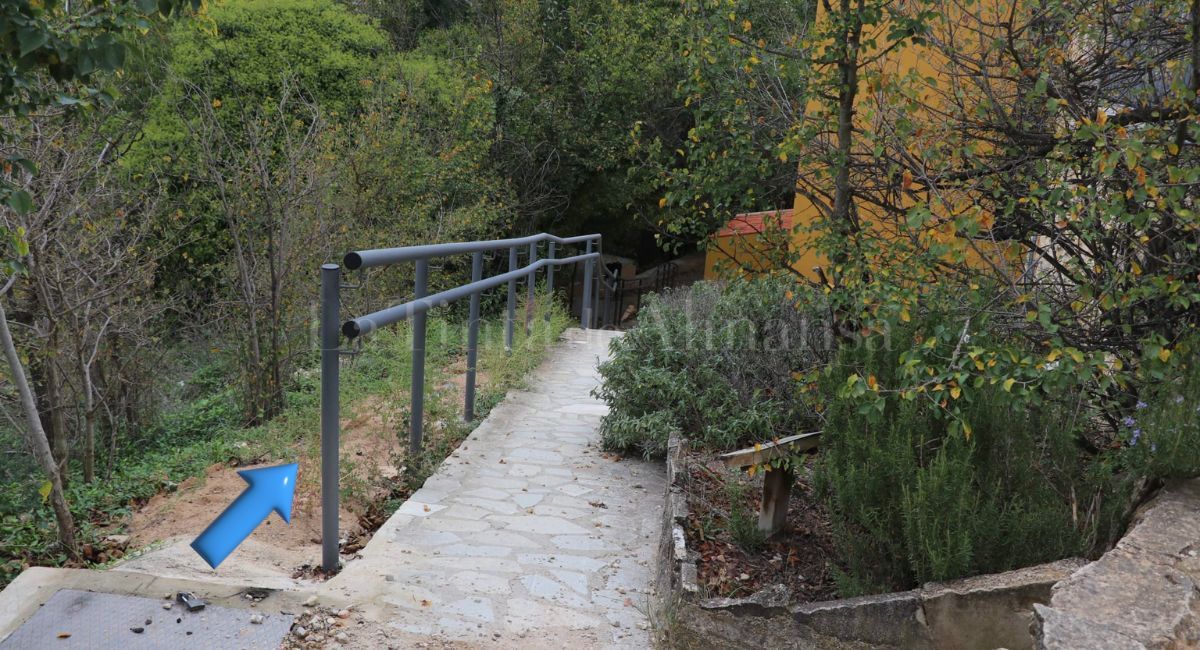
[271,488]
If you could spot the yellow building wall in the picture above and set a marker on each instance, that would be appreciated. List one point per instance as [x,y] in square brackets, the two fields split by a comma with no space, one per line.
[927,63]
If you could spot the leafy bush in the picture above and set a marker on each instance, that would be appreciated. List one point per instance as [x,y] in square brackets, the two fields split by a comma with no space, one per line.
[250,46]
[1161,433]
[914,499]
[715,363]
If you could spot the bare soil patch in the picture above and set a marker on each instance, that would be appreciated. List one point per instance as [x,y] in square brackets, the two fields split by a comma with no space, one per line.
[372,459]
[799,557]
[197,501]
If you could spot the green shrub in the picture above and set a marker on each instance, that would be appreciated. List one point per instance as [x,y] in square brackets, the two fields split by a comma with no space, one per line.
[1161,432]
[743,520]
[912,500]
[715,363]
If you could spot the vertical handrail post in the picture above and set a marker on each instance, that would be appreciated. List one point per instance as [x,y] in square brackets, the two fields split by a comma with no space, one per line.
[600,271]
[511,314]
[331,278]
[607,293]
[472,338]
[550,278]
[419,321]
[585,310]
[530,288]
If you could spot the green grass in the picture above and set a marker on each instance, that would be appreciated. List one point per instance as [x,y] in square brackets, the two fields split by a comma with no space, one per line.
[205,431]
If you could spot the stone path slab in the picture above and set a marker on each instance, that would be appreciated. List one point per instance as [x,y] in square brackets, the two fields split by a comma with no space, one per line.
[529,534]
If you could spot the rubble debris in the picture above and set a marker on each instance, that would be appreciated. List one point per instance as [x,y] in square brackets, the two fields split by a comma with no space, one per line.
[192,602]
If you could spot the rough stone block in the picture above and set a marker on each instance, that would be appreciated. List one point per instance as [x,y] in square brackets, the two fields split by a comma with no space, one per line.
[1136,595]
[1055,630]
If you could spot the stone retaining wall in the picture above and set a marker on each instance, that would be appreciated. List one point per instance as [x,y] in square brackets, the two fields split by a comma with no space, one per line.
[1145,593]
[984,612]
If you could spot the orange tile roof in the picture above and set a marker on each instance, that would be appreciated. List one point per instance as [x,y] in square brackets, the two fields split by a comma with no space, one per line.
[753,223]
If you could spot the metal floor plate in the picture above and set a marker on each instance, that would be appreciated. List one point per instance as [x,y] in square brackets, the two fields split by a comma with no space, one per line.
[97,620]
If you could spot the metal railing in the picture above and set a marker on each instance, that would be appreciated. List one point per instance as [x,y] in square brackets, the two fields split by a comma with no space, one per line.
[416,310]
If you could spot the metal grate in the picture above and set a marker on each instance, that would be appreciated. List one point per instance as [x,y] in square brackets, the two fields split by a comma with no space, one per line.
[98,620]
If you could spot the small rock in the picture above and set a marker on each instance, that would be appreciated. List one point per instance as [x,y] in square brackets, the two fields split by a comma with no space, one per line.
[310,601]
[257,619]
[301,631]
[345,613]
[166,605]
[342,637]
[137,630]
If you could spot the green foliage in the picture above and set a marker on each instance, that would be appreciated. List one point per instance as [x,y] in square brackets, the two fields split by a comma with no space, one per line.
[1031,253]
[244,84]
[741,92]
[68,45]
[569,80]
[415,166]
[52,53]
[1161,432]
[914,500]
[743,519]
[248,47]
[714,363]
[406,20]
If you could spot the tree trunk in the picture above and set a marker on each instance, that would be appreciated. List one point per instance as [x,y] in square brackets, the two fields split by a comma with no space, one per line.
[843,196]
[89,426]
[89,445]
[58,437]
[36,437]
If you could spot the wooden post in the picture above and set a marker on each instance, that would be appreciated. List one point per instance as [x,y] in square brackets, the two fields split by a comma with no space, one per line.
[777,482]
[777,489]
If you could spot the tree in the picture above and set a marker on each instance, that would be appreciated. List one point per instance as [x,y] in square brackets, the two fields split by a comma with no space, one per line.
[40,40]
[742,89]
[415,168]
[36,435]
[242,121]
[569,79]
[265,184]
[91,258]
[1054,169]
[72,47]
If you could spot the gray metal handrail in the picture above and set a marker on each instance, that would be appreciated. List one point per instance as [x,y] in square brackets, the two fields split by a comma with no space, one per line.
[364,325]
[417,310]
[388,256]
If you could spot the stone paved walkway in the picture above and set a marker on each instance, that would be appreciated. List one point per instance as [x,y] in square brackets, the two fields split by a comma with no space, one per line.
[528,535]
